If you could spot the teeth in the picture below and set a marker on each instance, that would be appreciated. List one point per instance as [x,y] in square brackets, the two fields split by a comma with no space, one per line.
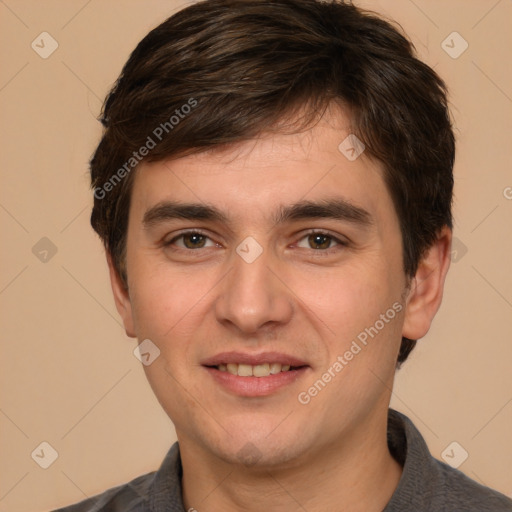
[275,368]
[245,370]
[259,370]
[232,368]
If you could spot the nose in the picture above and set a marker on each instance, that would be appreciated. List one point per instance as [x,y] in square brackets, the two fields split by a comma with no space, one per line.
[253,297]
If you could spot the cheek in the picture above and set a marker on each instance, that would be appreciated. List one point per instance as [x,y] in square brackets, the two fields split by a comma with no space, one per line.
[345,301]
[161,299]
[173,307]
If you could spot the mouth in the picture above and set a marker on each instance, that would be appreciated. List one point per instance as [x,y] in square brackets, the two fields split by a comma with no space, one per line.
[254,375]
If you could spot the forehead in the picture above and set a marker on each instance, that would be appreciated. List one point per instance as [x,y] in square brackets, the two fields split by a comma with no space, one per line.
[271,170]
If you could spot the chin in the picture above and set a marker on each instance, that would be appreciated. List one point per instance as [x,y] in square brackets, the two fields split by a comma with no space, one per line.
[259,455]
[257,449]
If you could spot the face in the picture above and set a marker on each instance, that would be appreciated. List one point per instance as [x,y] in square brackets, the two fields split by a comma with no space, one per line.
[270,277]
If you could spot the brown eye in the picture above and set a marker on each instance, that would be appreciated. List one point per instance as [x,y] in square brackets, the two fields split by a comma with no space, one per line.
[194,240]
[190,240]
[319,241]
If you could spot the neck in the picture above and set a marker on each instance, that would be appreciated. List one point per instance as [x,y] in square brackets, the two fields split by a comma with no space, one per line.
[355,470]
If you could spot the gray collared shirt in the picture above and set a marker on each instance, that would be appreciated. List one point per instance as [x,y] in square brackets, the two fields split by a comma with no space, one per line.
[426,484]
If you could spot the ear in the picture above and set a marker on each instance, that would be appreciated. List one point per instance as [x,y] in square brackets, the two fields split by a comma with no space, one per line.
[426,292]
[121,298]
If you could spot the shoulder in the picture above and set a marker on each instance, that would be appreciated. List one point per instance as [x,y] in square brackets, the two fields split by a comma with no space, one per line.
[428,484]
[151,491]
[129,497]
[455,491]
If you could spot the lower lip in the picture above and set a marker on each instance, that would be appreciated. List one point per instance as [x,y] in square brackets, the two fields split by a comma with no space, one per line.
[256,386]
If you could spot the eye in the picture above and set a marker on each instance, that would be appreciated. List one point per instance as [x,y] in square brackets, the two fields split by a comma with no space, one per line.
[191,240]
[319,241]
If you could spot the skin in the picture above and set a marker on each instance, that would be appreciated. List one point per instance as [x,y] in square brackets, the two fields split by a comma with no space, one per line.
[297,298]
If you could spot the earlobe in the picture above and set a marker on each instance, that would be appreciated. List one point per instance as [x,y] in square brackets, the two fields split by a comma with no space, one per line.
[427,286]
[121,298]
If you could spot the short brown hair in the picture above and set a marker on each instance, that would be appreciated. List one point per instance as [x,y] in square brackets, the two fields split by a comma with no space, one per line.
[241,67]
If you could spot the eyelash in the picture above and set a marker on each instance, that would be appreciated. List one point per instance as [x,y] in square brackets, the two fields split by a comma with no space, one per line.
[181,235]
[339,243]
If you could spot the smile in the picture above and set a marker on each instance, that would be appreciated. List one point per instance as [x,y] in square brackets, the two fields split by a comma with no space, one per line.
[254,374]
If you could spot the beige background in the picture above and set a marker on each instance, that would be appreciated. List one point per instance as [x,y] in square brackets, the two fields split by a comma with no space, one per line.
[68,374]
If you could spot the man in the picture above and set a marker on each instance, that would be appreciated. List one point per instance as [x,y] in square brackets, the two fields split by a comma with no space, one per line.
[273,189]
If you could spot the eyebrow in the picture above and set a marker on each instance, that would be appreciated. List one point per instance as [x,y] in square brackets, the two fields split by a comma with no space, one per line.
[169,210]
[337,208]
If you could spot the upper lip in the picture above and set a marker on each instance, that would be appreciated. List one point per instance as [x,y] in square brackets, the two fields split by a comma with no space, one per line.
[253,359]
